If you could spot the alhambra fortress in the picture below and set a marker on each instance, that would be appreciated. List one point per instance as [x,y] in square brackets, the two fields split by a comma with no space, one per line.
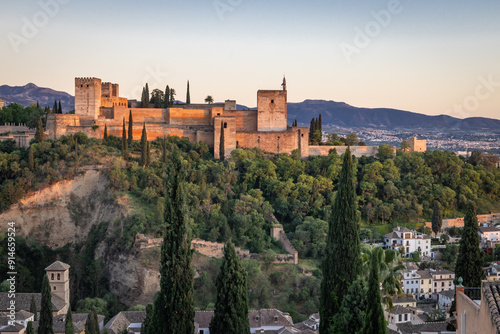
[98,104]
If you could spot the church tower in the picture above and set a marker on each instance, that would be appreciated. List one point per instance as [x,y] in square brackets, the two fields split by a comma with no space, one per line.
[58,273]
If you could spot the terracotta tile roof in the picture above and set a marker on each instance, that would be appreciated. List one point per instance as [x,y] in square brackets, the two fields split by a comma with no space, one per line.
[269,317]
[23,301]
[432,327]
[58,266]
[203,318]
[491,296]
[124,319]
[15,328]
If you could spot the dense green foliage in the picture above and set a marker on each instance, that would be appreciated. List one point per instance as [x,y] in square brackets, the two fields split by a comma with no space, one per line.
[146,324]
[46,320]
[17,114]
[174,304]
[231,305]
[342,262]
[469,264]
[374,321]
[68,323]
[130,129]
[437,218]
[92,323]
[188,95]
[29,328]
[351,317]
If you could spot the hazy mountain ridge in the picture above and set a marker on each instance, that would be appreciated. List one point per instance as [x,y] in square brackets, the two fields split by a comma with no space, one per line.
[31,93]
[332,113]
[345,115]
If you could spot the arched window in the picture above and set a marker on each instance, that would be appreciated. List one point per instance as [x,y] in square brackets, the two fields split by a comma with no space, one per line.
[225,125]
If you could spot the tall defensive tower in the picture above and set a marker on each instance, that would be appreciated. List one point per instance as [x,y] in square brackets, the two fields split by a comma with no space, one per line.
[88,97]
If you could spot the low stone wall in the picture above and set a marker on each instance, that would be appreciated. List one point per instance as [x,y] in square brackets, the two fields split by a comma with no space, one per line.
[493,218]
[357,151]
[293,256]
[10,127]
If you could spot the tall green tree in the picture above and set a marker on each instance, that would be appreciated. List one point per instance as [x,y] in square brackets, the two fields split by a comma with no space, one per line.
[105,132]
[31,162]
[222,148]
[146,324]
[166,99]
[231,305]
[342,261]
[39,133]
[172,96]
[148,154]
[68,323]
[54,109]
[59,109]
[124,142]
[351,317]
[188,95]
[470,257]
[437,218]
[174,304]
[146,93]
[46,321]
[374,321]
[209,99]
[33,308]
[29,328]
[164,150]
[130,129]
[144,145]
[92,323]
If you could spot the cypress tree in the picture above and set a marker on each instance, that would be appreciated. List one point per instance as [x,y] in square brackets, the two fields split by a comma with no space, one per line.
[46,320]
[33,308]
[352,314]
[146,93]
[143,98]
[76,152]
[124,142]
[231,305]
[164,150]
[68,323]
[130,129]
[188,96]
[146,324]
[31,165]
[39,133]
[437,218]
[222,149]
[54,109]
[174,304]
[105,132]
[59,109]
[29,328]
[342,262]
[144,144]
[375,321]
[166,102]
[470,257]
[320,122]
[148,155]
[37,105]
[92,324]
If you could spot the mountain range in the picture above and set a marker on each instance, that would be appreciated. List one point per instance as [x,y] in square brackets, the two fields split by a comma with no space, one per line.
[31,93]
[333,113]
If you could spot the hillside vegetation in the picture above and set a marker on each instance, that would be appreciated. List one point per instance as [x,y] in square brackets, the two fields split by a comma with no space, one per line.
[234,200]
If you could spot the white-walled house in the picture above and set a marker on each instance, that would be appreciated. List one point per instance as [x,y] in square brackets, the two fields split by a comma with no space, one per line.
[410,241]
[411,283]
[489,233]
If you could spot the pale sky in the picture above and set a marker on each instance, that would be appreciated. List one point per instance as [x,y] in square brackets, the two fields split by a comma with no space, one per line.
[427,56]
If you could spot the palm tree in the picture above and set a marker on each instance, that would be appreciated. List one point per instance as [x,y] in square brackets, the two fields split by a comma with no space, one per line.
[390,267]
[209,99]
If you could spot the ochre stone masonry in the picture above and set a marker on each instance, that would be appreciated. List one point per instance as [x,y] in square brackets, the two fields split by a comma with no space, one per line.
[97,104]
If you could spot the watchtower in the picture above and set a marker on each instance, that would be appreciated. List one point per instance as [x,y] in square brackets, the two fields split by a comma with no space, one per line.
[88,97]
[271,110]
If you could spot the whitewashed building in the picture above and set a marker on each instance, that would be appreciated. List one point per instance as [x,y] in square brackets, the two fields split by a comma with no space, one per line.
[408,241]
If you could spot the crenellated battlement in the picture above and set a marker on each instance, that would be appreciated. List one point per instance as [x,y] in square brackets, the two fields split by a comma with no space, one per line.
[87,80]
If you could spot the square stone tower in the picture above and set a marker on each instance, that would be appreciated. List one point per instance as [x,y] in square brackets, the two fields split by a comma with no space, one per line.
[271,110]
[88,93]
[58,273]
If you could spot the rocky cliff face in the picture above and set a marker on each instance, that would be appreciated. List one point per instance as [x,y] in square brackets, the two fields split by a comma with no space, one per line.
[66,211]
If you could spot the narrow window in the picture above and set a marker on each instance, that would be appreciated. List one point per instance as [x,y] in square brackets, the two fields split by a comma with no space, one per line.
[58,277]
[54,287]
[52,277]
[225,125]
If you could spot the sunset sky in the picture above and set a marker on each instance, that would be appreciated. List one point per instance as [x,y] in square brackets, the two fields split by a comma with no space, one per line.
[432,57]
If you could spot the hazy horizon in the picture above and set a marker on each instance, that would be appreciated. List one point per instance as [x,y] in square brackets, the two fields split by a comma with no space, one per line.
[424,57]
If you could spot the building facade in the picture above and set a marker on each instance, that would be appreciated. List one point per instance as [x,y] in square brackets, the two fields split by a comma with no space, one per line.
[408,241]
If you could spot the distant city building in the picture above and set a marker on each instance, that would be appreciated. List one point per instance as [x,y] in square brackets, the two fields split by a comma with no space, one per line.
[489,233]
[408,241]
[417,145]
[427,283]
[2,103]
